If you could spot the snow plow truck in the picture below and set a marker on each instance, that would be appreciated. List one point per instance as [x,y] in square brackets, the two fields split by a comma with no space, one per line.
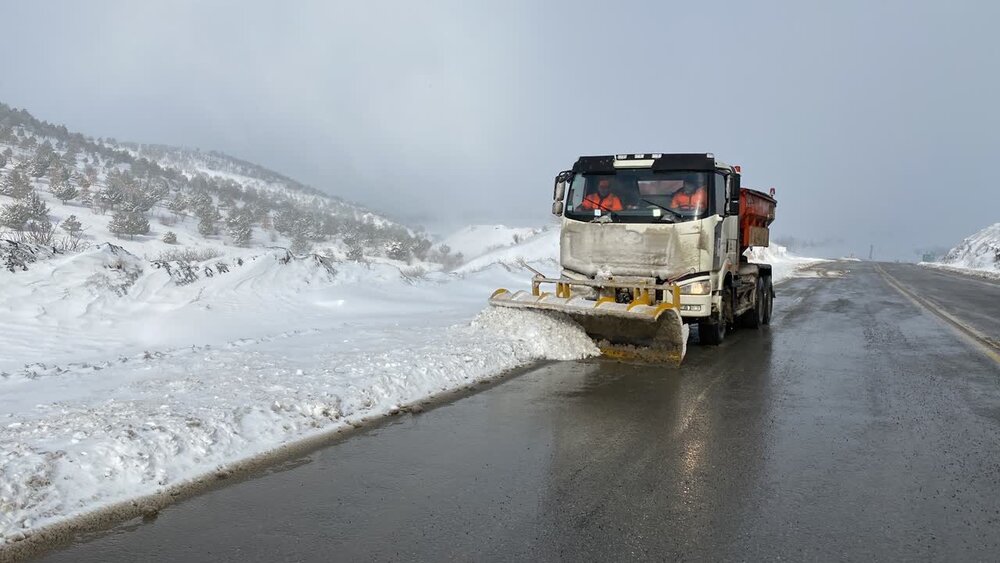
[650,244]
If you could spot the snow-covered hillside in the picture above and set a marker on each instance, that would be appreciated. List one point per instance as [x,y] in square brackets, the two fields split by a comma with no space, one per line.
[475,240]
[69,191]
[980,252]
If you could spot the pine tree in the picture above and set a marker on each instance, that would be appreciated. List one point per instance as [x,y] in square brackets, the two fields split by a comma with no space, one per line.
[15,216]
[178,205]
[300,244]
[37,209]
[239,225]
[129,223]
[16,185]
[170,237]
[42,160]
[208,215]
[72,226]
[66,192]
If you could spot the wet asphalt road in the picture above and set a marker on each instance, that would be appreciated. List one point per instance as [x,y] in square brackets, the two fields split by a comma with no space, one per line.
[858,426]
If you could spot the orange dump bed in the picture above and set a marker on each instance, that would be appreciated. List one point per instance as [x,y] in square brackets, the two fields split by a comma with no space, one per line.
[756,213]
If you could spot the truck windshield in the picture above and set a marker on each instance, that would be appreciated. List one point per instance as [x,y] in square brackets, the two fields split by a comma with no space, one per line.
[641,196]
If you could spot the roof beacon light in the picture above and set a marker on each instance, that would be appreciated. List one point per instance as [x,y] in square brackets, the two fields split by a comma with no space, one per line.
[737,168]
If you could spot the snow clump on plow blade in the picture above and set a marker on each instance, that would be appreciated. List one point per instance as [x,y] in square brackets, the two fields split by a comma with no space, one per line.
[624,331]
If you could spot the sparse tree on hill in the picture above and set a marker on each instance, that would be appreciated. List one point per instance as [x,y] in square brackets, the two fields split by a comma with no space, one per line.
[128,223]
[42,160]
[72,226]
[301,244]
[66,192]
[178,205]
[239,225]
[170,237]
[58,174]
[37,209]
[208,216]
[14,216]
[3,160]
[16,185]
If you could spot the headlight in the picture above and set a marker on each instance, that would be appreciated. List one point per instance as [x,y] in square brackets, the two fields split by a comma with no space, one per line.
[703,287]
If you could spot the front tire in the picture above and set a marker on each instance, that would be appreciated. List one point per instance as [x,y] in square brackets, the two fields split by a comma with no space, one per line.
[713,331]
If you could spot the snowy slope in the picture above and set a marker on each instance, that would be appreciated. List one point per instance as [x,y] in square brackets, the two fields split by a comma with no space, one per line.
[475,240]
[174,189]
[540,250]
[980,251]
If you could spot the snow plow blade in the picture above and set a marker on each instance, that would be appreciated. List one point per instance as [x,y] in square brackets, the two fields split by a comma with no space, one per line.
[636,331]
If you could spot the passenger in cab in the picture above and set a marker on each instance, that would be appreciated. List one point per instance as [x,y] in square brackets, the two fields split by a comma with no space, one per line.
[692,198]
[604,199]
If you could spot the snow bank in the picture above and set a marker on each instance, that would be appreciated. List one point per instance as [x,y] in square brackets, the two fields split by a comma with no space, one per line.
[783,263]
[152,422]
[979,252]
[116,381]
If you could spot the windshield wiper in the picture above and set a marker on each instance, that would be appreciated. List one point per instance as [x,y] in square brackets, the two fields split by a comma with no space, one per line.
[667,209]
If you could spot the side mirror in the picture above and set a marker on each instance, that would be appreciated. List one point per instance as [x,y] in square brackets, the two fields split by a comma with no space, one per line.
[557,207]
[734,207]
[559,192]
[562,182]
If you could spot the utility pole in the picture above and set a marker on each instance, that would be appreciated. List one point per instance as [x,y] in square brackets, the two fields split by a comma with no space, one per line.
[871,252]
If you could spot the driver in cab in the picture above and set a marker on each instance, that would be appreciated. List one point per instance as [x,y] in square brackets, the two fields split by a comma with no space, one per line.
[692,198]
[603,199]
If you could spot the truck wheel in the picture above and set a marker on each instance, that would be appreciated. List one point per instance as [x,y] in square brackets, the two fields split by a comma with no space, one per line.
[755,317]
[768,303]
[712,331]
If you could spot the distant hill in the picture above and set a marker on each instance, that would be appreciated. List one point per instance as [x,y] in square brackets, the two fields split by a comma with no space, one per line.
[69,191]
[980,251]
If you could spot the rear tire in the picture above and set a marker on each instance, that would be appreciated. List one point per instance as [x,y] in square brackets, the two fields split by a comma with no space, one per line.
[755,317]
[768,301]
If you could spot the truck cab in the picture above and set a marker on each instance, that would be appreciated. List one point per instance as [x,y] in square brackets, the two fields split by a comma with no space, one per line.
[667,218]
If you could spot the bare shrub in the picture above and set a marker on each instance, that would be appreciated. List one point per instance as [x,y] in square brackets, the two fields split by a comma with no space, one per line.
[188,254]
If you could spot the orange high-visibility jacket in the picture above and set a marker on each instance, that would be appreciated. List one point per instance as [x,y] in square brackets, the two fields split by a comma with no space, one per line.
[608,203]
[690,202]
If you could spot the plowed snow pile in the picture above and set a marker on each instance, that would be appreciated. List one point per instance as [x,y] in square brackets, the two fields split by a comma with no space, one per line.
[120,377]
[979,253]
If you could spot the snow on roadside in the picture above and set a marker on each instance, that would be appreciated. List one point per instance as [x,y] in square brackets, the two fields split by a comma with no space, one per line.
[978,254]
[124,431]
[144,384]
[783,263]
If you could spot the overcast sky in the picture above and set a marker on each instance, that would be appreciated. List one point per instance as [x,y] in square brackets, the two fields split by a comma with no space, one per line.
[877,122]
